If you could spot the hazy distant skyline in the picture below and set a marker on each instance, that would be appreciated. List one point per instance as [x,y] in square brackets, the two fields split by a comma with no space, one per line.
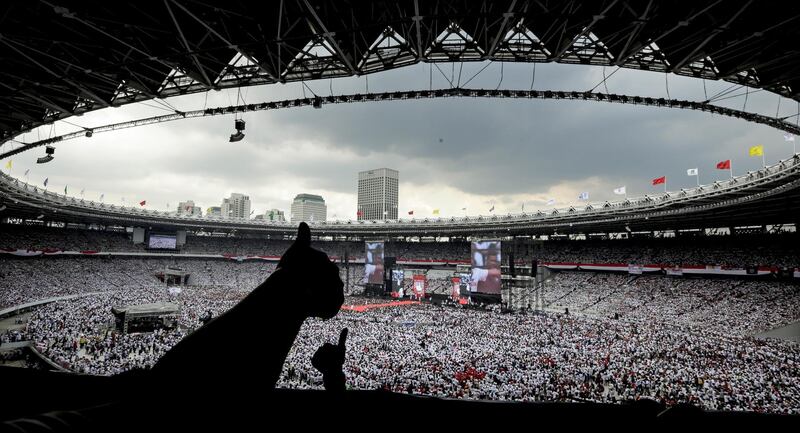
[451,153]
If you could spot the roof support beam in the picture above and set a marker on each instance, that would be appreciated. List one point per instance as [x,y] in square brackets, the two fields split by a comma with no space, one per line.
[677,26]
[223,39]
[329,37]
[188,48]
[82,89]
[503,28]
[691,56]
[624,55]
[586,30]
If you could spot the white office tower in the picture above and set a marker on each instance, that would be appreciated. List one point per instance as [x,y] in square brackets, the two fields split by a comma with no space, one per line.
[308,208]
[377,194]
[189,208]
[237,206]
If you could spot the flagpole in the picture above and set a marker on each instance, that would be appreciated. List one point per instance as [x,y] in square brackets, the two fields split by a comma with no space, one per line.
[730,168]
[763,158]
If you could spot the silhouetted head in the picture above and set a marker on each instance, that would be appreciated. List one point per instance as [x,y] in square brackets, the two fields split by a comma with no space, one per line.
[311,272]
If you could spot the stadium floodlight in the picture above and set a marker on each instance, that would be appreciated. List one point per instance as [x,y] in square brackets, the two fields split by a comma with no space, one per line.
[49,151]
[89,133]
[238,135]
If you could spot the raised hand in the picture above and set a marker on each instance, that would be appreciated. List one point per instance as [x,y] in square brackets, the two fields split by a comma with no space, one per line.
[329,360]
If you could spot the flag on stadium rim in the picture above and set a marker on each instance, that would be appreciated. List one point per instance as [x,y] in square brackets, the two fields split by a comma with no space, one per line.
[660,180]
[436,211]
[82,191]
[102,196]
[492,209]
[692,172]
[143,202]
[757,150]
[551,201]
[583,196]
[463,208]
[45,181]
[65,189]
[359,213]
[620,191]
[9,164]
[411,212]
[724,165]
[788,137]
[27,170]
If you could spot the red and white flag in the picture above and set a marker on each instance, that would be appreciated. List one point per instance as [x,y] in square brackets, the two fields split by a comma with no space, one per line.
[143,202]
[660,180]
[724,165]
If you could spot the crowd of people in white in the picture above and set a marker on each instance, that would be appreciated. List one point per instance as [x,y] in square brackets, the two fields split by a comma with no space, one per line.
[736,306]
[675,340]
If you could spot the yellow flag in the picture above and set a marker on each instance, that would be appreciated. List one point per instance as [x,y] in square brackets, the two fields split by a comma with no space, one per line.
[8,164]
[436,211]
[757,150]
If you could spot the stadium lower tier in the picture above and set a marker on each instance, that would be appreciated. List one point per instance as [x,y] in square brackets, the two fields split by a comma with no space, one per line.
[675,340]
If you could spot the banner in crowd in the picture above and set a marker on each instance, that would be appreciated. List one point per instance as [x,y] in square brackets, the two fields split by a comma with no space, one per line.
[419,286]
[674,271]
[635,269]
[455,292]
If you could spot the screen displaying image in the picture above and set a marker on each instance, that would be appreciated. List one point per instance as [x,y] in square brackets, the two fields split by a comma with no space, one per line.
[162,242]
[397,281]
[485,276]
[373,263]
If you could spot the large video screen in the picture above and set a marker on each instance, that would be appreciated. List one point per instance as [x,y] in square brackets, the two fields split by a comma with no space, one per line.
[162,242]
[373,263]
[397,282]
[485,276]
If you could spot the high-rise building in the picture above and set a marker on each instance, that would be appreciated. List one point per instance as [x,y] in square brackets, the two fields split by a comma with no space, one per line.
[308,208]
[189,208]
[377,194]
[236,206]
[272,215]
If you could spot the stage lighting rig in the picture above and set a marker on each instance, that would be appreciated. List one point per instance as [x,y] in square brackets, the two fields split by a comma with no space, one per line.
[238,135]
[49,152]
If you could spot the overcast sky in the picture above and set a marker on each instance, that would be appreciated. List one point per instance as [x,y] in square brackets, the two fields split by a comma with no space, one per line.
[451,153]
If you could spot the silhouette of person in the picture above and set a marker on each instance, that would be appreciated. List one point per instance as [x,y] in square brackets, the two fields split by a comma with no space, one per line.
[249,343]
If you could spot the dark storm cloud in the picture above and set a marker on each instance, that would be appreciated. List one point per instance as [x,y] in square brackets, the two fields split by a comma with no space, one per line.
[492,150]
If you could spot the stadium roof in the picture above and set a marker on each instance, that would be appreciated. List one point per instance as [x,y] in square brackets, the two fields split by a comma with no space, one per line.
[61,58]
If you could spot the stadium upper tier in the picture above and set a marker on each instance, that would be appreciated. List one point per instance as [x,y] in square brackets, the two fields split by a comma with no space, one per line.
[766,196]
[739,251]
[64,58]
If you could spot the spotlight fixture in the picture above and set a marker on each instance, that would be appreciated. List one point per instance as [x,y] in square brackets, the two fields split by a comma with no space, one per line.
[89,133]
[49,151]
[238,135]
